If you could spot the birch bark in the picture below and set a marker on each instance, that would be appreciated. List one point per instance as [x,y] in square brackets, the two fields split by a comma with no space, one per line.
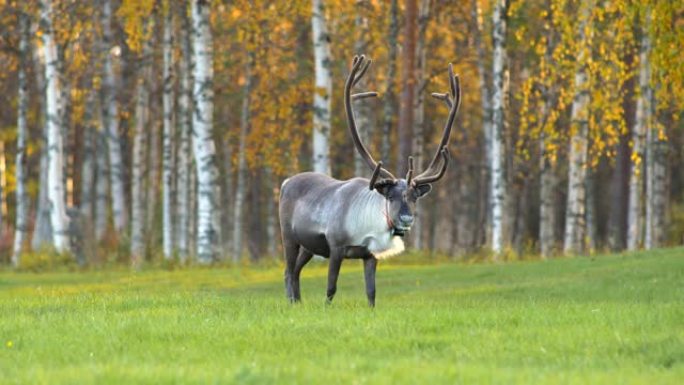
[116,166]
[575,221]
[419,126]
[138,204]
[56,192]
[241,187]
[21,226]
[208,218]
[184,120]
[168,136]
[390,94]
[497,157]
[322,89]
[635,215]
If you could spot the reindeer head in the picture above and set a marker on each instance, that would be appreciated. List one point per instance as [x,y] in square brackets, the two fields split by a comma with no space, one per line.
[401,194]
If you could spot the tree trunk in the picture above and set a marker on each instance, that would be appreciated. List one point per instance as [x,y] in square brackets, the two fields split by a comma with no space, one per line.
[592,217]
[575,225]
[3,189]
[153,171]
[408,84]
[548,179]
[272,227]
[208,217]
[56,192]
[642,122]
[168,150]
[656,186]
[88,160]
[101,185]
[241,187]
[390,94]
[138,206]
[484,222]
[364,119]
[116,166]
[21,227]
[42,232]
[184,120]
[547,210]
[322,89]
[497,157]
[419,127]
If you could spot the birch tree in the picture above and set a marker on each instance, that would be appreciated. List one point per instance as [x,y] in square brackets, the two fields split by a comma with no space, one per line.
[635,215]
[42,232]
[408,85]
[56,192]
[138,206]
[362,108]
[322,89]
[548,179]
[88,165]
[208,218]
[111,117]
[418,145]
[184,120]
[485,103]
[241,186]
[575,225]
[497,158]
[22,199]
[168,136]
[390,95]
[101,183]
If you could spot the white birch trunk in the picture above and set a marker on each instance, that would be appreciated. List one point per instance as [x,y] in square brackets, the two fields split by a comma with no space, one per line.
[241,186]
[208,218]
[548,179]
[228,185]
[88,165]
[484,222]
[42,232]
[116,166]
[575,225]
[635,214]
[592,220]
[418,145]
[322,89]
[21,227]
[153,174]
[272,227]
[497,161]
[389,96]
[184,120]
[168,136]
[362,107]
[101,185]
[138,204]
[656,190]
[56,193]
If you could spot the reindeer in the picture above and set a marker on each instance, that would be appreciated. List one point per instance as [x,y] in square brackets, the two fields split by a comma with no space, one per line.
[357,218]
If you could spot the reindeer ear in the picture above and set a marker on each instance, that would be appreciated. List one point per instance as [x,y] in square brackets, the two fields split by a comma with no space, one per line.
[384,186]
[422,189]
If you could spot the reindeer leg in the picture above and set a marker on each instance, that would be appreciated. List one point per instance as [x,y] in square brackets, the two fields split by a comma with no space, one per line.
[291,250]
[302,259]
[369,266]
[333,273]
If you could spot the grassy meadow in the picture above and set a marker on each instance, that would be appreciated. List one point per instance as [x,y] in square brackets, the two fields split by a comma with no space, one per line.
[606,319]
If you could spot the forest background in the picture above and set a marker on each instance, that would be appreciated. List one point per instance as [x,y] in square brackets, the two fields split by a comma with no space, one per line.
[141,130]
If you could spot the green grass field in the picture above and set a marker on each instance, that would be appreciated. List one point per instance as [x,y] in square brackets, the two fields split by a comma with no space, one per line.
[613,320]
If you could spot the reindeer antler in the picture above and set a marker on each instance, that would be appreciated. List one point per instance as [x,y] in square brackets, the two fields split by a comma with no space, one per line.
[453,102]
[359,67]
